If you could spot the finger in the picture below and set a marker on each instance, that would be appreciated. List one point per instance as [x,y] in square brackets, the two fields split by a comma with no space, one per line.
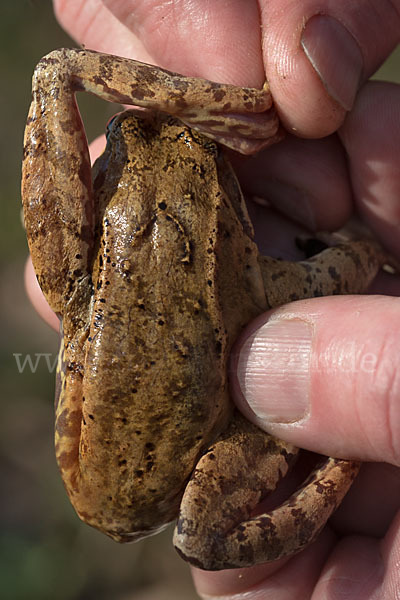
[282,580]
[323,374]
[371,136]
[318,53]
[93,25]
[367,564]
[274,234]
[356,561]
[316,181]
[372,502]
[220,41]
[307,180]
[390,548]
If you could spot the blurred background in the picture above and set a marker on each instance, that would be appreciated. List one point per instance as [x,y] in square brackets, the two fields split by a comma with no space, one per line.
[45,551]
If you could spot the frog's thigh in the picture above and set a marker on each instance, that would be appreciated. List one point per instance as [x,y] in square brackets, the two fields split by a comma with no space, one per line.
[214,529]
[344,269]
[241,468]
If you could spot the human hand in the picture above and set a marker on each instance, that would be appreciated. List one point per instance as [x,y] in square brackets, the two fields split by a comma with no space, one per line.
[360,160]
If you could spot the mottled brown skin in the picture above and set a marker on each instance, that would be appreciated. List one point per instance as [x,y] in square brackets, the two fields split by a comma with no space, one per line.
[150,263]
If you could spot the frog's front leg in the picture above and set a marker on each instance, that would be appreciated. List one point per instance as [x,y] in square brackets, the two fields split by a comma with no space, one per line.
[215,529]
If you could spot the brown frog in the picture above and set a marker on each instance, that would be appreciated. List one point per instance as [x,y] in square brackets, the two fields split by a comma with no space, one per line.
[151,265]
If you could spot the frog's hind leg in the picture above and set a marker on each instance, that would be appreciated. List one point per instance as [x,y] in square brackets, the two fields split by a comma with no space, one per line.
[343,269]
[215,529]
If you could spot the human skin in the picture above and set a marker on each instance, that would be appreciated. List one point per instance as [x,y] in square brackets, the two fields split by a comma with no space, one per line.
[342,160]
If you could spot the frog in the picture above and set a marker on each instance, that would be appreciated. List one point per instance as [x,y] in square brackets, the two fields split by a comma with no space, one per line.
[149,260]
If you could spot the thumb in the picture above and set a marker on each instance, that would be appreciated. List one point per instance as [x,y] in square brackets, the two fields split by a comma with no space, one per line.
[323,374]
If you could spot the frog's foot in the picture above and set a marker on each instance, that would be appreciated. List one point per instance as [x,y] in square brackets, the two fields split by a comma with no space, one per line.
[240,132]
[215,529]
[241,118]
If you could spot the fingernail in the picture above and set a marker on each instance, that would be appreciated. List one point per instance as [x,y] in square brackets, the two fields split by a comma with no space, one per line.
[274,370]
[292,201]
[336,57]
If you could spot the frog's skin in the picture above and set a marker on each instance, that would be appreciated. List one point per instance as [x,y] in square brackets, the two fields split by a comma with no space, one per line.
[154,272]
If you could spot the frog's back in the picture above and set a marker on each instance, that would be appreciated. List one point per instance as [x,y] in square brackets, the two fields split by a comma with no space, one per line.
[155,384]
